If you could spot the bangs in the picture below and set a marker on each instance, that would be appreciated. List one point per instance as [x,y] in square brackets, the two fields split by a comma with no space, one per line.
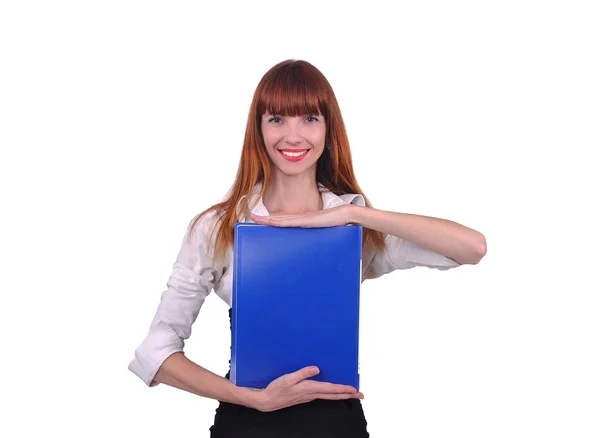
[293,91]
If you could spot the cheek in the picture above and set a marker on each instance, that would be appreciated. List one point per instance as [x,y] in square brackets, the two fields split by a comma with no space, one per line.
[269,138]
[318,139]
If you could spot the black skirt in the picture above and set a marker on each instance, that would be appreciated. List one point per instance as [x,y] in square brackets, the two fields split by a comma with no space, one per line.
[316,419]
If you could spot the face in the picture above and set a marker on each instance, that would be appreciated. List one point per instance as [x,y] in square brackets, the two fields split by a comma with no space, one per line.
[294,144]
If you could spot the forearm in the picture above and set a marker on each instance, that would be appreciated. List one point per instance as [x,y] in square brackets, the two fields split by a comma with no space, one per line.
[180,372]
[453,240]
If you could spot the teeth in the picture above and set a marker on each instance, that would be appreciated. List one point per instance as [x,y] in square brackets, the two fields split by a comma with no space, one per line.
[293,154]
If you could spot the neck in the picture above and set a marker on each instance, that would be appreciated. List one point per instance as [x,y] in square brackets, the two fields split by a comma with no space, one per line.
[292,194]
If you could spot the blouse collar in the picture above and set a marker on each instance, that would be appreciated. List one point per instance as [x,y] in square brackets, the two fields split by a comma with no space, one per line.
[330,200]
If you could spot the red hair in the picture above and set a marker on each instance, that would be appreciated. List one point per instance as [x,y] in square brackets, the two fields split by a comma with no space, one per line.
[290,88]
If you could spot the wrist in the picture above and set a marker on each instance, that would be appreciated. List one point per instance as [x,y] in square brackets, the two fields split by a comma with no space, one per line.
[249,397]
[356,214]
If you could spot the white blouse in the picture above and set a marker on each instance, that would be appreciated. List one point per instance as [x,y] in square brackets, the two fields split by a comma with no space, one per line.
[194,276]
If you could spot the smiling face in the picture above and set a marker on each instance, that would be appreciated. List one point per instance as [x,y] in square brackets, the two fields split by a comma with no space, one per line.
[294,144]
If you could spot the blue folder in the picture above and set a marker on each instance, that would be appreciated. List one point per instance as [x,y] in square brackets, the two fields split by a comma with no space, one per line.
[295,303]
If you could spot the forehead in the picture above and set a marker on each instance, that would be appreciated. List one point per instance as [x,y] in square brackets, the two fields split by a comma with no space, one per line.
[293,94]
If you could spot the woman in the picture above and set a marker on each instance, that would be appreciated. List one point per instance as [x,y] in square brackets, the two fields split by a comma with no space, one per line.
[295,170]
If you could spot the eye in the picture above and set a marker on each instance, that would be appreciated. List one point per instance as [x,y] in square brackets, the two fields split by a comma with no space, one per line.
[274,118]
[312,117]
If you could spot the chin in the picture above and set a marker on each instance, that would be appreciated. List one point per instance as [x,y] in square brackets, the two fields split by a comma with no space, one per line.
[294,172]
[294,169]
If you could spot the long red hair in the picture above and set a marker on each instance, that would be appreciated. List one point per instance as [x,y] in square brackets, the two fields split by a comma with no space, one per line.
[290,88]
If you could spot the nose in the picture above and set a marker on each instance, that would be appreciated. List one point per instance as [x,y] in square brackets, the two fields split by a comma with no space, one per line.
[293,135]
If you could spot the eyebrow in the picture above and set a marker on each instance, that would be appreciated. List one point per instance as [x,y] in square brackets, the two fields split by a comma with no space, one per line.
[281,115]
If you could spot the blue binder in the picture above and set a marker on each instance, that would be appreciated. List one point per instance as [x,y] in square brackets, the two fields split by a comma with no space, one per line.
[295,303]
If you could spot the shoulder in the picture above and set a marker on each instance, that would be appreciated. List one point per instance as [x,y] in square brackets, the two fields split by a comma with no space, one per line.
[203,225]
[198,245]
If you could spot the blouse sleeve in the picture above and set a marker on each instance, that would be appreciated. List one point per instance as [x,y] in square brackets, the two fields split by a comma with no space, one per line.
[192,280]
[401,254]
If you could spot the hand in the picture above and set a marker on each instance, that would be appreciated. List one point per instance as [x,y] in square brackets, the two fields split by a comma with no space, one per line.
[292,389]
[329,217]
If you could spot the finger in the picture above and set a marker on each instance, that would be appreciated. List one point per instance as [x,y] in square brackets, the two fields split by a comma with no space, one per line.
[282,216]
[292,222]
[261,218]
[305,398]
[295,216]
[301,374]
[303,222]
[326,387]
[288,217]
[327,396]
[357,395]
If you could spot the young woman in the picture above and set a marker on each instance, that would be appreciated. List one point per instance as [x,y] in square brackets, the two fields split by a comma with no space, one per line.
[295,171]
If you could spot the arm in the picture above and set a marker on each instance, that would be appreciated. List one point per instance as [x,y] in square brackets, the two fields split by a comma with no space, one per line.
[287,390]
[450,239]
[180,372]
[160,357]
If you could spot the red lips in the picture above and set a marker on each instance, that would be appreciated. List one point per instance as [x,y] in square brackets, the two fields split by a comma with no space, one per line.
[294,159]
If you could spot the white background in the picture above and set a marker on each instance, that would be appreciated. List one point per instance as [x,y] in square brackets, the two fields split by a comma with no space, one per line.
[121,120]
